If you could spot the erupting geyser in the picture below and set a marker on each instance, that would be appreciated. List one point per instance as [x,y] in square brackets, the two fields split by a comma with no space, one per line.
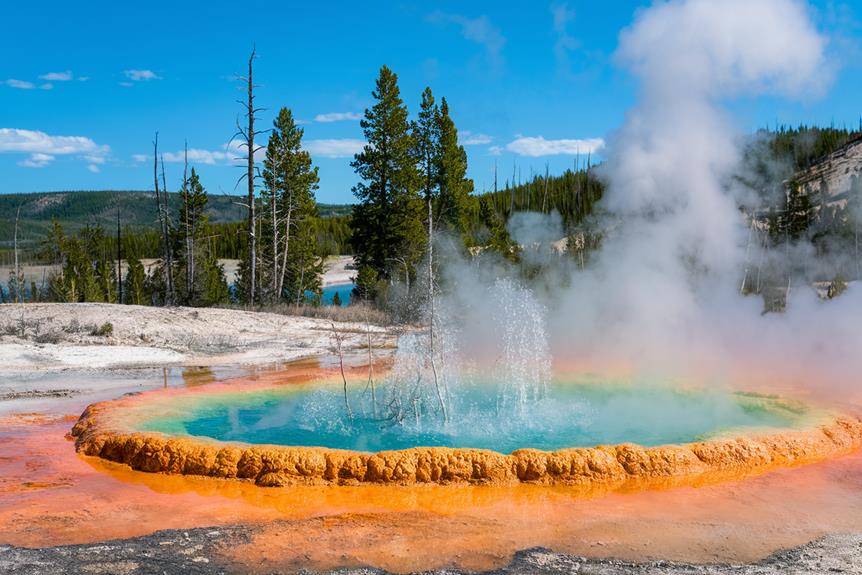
[661,297]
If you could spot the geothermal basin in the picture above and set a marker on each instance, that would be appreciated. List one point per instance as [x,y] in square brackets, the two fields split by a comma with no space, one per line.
[573,430]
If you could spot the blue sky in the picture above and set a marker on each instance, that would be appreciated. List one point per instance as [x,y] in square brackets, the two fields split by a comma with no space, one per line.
[84,85]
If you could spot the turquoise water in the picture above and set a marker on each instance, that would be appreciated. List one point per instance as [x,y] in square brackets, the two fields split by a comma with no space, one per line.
[343,291]
[570,415]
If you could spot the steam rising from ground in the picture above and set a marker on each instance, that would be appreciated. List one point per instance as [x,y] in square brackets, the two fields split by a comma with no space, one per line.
[662,295]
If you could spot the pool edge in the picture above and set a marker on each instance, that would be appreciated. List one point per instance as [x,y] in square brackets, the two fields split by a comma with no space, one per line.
[271,465]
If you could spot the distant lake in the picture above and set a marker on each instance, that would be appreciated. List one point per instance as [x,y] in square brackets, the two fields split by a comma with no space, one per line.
[343,291]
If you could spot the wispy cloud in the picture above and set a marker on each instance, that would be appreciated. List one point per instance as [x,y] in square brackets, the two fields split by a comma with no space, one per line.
[19,84]
[538,146]
[564,43]
[58,76]
[479,30]
[335,148]
[338,117]
[141,75]
[231,153]
[46,86]
[43,148]
[37,161]
[468,138]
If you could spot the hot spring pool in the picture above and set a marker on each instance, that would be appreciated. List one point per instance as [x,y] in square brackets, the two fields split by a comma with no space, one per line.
[570,414]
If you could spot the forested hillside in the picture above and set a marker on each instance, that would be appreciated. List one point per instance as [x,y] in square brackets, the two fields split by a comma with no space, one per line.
[75,210]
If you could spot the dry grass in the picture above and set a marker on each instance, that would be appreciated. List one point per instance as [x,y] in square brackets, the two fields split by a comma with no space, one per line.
[353,313]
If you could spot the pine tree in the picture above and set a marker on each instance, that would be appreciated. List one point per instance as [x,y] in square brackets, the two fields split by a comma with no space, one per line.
[289,261]
[105,277]
[498,239]
[426,138]
[189,249]
[387,222]
[455,187]
[135,289]
[216,288]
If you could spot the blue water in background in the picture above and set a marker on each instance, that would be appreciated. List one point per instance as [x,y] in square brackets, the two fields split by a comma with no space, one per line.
[343,291]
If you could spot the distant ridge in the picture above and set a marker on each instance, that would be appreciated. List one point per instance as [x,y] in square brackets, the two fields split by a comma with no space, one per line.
[76,209]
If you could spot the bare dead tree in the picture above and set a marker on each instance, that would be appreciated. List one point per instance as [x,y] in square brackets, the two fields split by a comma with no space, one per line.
[287,225]
[431,309]
[246,136]
[119,257]
[338,338]
[190,259]
[19,277]
[512,195]
[162,213]
[406,265]
[748,253]
[545,196]
[169,254]
[370,362]
[274,219]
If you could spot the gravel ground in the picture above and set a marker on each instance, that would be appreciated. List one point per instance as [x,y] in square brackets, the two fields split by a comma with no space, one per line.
[196,551]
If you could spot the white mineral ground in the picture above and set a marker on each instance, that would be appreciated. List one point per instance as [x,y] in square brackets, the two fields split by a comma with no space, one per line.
[59,357]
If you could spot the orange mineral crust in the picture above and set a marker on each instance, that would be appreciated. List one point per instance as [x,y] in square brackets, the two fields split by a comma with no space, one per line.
[51,496]
[107,430]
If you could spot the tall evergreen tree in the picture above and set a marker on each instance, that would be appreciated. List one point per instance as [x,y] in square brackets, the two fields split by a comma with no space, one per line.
[289,259]
[426,138]
[135,290]
[455,187]
[387,222]
[189,245]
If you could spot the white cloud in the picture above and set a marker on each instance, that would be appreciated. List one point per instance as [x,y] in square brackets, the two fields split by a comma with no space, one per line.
[93,168]
[495,150]
[539,146]
[46,86]
[20,84]
[229,153]
[200,156]
[126,84]
[43,147]
[479,30]
[337,117]
[468,138]
[58,76]
[141,75]
[37,161]
[334,148]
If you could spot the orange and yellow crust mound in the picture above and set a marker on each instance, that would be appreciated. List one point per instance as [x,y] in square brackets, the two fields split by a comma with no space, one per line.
[269,465]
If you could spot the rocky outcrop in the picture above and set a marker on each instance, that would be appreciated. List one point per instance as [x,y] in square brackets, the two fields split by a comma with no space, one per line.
[97,434]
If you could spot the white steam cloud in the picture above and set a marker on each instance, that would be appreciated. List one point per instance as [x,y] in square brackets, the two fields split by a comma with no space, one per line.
[662,297]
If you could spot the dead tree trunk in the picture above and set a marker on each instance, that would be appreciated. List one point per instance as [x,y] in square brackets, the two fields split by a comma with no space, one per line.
[190,261]
[273,201]
[162,215]
[119,258]
[246,135]
[545,196]
[252,237]
[339,337]
[431,309]
[286,243]
[18,279]
[169,256]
